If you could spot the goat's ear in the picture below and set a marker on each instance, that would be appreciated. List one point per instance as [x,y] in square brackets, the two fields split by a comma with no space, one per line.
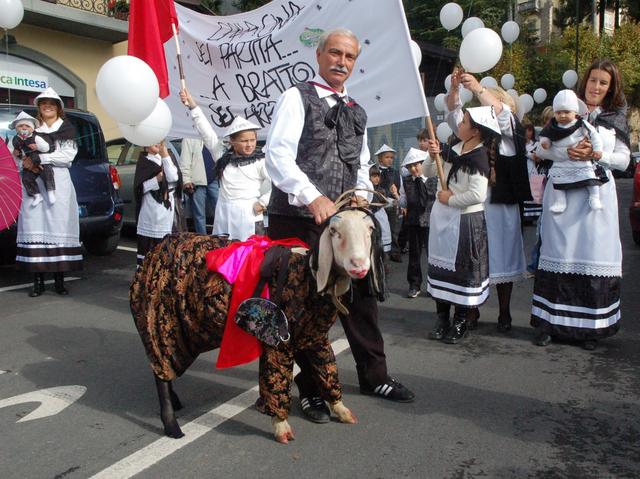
[325,260]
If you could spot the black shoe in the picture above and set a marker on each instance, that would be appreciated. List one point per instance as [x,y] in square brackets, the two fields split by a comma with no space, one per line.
[504,324]
[542,339]
[413,293]
[59,284]
[315,409]
[38,286]
[441,328]
[590,345]
[392,390]
[457,331]
[395,257]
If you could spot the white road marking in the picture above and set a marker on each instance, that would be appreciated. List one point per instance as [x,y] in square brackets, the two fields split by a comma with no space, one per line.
[28,285]
[52,400]
[165,446]
[128,248]
[2,372]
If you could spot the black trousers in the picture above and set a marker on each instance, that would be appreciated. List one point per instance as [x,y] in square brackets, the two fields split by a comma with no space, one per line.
[360,326]
[418,241]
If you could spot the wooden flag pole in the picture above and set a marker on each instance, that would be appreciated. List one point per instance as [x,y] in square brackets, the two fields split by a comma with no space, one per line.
[429,125]
[183,83]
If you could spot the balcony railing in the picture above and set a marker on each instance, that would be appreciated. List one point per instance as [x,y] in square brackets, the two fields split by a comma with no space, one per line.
[118,9]
[529,6]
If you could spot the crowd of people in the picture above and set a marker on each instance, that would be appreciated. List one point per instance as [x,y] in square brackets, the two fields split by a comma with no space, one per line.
[469,223]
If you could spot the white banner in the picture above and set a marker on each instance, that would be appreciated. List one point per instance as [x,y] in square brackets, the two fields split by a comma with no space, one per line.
[241,64]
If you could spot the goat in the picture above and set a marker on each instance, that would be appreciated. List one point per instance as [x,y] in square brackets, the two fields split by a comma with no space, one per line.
[180,310]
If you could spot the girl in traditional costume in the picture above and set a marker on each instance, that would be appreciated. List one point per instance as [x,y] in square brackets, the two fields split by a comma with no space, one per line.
[157,185]
[458,252]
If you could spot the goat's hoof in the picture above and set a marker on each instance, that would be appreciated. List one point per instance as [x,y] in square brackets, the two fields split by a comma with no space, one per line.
[282,430]
[171,427]
[344,413]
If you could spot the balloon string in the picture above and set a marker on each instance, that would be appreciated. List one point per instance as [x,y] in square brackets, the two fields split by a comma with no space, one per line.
[6,49]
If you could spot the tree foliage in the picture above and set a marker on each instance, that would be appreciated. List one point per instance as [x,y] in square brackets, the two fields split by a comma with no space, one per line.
[423,17]
[246,5]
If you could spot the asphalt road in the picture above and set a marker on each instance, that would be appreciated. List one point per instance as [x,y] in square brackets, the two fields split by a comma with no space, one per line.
[493,407]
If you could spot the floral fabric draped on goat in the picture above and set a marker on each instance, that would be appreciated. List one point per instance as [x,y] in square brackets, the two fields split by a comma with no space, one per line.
[180,309]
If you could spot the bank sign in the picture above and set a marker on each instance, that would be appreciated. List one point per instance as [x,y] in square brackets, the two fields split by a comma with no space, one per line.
[23,81]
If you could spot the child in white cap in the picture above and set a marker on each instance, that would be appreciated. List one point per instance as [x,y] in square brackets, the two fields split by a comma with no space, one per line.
[29,144]
[458,246]
[566,130]
[245,186]
[417,195]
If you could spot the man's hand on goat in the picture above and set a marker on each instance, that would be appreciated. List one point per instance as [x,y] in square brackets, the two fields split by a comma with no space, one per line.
[322,208]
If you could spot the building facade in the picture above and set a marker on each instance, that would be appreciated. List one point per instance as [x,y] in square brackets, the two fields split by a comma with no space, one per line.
[62,44]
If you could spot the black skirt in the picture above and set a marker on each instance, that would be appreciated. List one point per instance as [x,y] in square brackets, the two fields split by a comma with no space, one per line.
[468,285]
[576,306]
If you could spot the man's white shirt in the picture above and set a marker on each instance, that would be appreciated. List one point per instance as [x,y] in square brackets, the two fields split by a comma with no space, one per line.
[282,147]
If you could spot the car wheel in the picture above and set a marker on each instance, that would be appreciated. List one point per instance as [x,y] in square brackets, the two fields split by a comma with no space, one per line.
[636,237]
[102,246]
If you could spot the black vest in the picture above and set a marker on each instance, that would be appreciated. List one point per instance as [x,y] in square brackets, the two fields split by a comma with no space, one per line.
[330,157]
[420,197]
[389,176]
[512,176]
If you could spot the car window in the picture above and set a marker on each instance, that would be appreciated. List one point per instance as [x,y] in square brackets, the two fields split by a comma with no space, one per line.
[87,139]
[132,155]
[114,152]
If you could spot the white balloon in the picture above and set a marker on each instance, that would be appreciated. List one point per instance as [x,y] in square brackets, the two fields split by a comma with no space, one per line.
[489,82]
[451,15]
[521,108]
[527,102]
[12,13]
[569,78]
[510,31]
[470,24]
[465,95]
[480,50]
[447,83]
[507,81]
[127,89]
[439,100]
[152,129]
[443,132]
[540,95]
[416,52]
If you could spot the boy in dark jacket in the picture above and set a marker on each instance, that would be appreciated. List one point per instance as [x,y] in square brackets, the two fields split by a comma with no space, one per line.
[417,195]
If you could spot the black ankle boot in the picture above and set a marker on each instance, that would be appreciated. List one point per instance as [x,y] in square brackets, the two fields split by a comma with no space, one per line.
[59,284]
[38,285]
[443,324]
[459,328]
[504,323]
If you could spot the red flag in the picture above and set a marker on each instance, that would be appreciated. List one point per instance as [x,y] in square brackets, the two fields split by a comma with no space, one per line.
[149,28]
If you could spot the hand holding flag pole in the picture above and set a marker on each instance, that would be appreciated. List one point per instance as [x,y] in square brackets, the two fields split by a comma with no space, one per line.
[429,125]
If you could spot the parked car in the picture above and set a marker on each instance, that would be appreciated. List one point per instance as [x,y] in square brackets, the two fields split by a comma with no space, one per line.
[634,208]
[96,183]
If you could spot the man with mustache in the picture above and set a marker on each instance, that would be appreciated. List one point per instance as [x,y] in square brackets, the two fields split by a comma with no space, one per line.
[316,150]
